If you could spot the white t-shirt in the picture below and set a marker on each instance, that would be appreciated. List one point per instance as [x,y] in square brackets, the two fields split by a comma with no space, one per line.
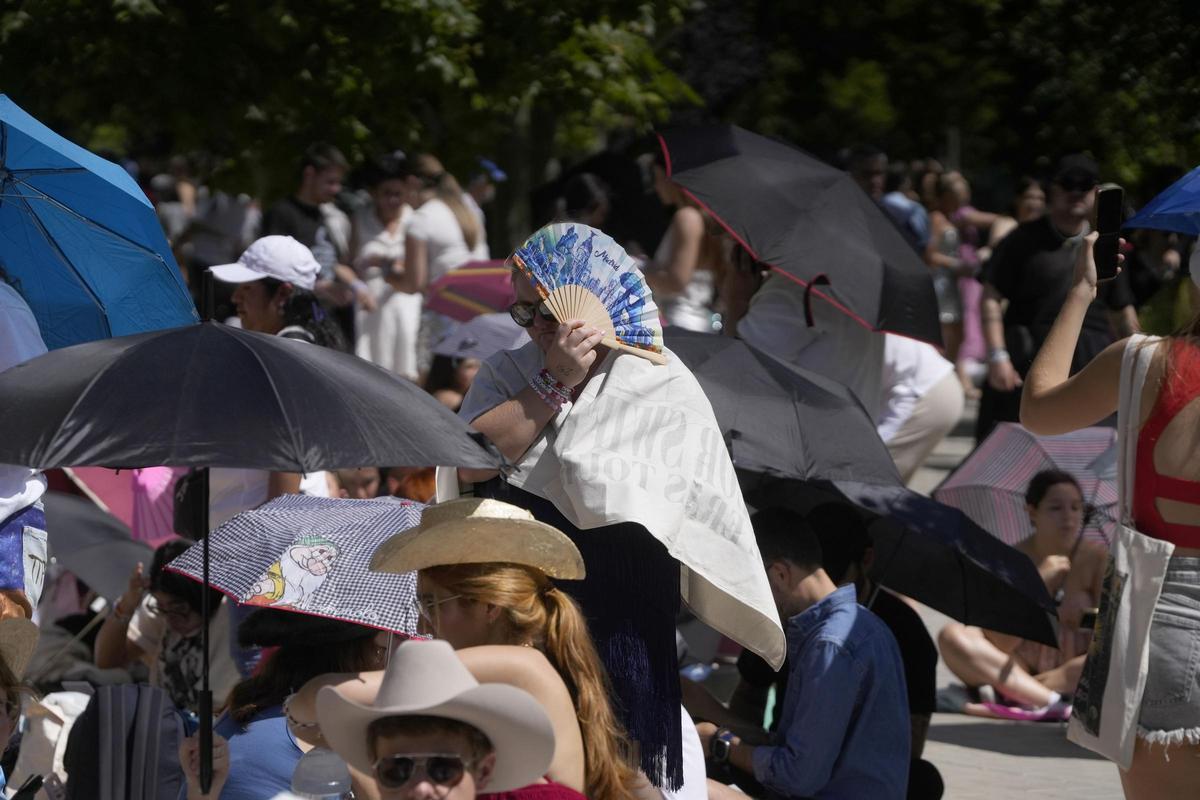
[20,340]
[910,369]
[435,224]
[836,347]
[373,240]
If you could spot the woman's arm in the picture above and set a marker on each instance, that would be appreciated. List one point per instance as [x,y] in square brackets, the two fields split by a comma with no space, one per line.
[516,423]
[113,648]
[684,243]
[1002,376]
[415,276]
[1054,401]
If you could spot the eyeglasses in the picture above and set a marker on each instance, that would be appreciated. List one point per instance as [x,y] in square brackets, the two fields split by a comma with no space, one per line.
[444,769]
[522,313]
[427,606]
[180,612]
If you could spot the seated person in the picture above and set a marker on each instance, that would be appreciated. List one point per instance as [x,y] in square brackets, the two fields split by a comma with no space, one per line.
[846,554]
[358,484]
[1030,681]
[844,728]
[434,731]
[158,621]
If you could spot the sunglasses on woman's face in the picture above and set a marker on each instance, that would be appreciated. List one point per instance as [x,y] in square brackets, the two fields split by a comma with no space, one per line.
[444,769]
[523,313]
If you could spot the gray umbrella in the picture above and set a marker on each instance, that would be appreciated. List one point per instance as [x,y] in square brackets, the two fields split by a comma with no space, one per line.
[93,544]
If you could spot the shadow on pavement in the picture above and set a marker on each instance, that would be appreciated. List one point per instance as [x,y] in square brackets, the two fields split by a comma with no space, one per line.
[1036,740]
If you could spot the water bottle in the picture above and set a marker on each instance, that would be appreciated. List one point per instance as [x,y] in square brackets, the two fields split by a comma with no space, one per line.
[321,774]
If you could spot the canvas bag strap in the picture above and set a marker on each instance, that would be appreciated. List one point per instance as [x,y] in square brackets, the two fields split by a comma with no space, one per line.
[1135,362]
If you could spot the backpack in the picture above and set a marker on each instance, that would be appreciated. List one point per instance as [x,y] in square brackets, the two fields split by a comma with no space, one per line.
[125,746]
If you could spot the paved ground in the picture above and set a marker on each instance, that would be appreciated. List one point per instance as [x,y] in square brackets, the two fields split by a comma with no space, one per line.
[982,758]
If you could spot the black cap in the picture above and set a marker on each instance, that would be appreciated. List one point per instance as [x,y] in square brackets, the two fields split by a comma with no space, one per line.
[1077,170]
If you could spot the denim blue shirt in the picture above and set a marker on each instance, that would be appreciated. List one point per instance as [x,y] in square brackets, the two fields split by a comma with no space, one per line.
[910,216]
[844,731]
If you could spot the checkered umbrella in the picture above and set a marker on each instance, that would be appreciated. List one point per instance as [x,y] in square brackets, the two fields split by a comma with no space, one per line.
[989,486]
[312,555]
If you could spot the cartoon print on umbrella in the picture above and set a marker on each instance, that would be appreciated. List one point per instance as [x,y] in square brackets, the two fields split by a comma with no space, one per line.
[296,576]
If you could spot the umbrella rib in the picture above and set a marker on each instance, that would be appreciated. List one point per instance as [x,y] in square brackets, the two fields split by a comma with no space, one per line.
[21,173]
[88,221]
[278,397]
[70,266]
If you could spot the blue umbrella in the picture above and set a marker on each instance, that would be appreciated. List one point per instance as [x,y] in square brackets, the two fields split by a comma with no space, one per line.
[1176,208]
[81,239]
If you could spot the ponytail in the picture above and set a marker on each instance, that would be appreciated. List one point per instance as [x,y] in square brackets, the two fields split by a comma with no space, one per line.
[536,611]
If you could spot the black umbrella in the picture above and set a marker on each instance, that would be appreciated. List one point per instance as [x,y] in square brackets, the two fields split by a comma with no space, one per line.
[808,221]
[799,440]
[213,395]
[93,544]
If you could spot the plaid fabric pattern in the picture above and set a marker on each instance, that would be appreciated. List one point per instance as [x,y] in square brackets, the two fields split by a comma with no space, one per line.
[989,487]
[253,544]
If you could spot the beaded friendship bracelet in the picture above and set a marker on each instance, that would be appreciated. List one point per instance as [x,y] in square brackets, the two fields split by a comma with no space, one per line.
[554,393]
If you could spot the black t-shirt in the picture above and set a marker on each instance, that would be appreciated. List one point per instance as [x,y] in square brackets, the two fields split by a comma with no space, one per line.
[305,224]
[1032,268]
[917,652]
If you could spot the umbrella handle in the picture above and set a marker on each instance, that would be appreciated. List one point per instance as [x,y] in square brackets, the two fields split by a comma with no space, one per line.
[206,740]
[882,572]
[819,280]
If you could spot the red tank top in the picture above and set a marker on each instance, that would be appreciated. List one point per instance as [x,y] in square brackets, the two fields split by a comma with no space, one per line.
[1182,387]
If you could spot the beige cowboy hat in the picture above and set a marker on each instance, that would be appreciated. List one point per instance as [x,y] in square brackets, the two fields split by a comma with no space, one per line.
[426,678]
[480,531]
[18,640]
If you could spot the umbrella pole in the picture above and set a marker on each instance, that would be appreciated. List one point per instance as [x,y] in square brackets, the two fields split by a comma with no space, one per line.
[206,698]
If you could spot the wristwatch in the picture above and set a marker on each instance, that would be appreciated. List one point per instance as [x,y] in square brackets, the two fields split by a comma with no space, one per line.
[721,745]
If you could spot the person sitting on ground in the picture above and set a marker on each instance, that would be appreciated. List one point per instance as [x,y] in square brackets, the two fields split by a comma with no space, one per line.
[450,378]
[845,729]
[262,749]
[846,556]
[1037,678]
[431,730]
[158,621]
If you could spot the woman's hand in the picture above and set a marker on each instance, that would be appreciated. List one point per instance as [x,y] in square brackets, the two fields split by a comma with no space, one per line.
[573,352]
[138,584]
[1085,263]
[189,759]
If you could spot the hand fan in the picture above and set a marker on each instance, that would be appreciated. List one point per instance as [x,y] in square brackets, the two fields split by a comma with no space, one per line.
[583,274]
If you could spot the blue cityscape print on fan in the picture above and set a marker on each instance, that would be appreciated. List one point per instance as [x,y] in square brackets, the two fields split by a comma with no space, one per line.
[602,267]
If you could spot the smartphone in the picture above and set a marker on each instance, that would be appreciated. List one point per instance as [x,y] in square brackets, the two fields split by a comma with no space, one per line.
[1110,212]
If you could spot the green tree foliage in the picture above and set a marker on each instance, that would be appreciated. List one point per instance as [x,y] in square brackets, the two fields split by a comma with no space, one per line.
[1014,80]
[252,83]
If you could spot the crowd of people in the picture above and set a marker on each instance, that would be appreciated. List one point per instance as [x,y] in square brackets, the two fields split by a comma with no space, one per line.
[556,670]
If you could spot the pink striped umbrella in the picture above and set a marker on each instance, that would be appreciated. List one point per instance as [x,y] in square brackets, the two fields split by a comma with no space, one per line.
[989,486]
[477,287]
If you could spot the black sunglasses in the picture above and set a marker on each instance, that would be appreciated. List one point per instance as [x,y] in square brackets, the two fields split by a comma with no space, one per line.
[444,769]
[522,313]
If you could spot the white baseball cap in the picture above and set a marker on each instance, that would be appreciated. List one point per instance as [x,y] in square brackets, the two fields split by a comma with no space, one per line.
[279,257]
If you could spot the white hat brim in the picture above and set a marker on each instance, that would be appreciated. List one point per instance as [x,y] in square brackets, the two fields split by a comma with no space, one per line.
[513,721]
[236,272]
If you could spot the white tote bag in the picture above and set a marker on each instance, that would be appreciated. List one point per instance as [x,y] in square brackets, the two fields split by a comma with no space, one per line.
[1109,697]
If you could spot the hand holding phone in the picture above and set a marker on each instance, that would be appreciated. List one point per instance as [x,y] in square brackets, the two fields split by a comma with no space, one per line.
[1110,212]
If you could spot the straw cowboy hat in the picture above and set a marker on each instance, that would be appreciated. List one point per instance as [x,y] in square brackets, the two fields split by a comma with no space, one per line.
[480,531]
[18,640]
[426,678]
